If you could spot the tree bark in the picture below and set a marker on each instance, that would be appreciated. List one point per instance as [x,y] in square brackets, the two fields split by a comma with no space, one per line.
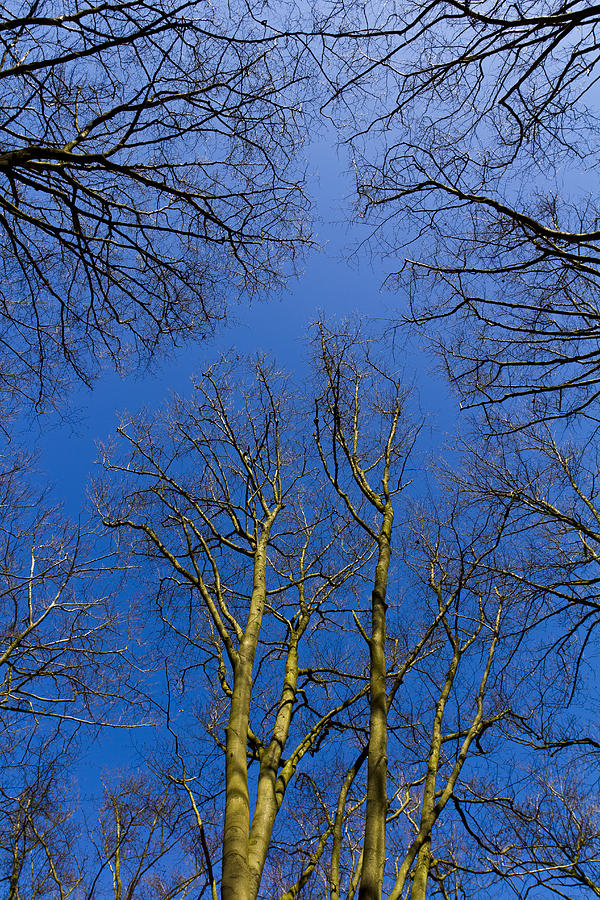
[371,882]
[236,873]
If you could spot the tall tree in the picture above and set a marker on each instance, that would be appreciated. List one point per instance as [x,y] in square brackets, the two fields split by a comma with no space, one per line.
[146,175]
[67,667]
[250,557]
[268,551]
[539,831]
[350,379]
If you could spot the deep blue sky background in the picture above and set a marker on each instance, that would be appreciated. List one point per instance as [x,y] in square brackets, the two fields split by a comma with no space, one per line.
[328,284]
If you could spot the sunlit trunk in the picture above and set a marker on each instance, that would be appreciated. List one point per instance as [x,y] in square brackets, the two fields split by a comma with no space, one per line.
[236,883]
[374,845]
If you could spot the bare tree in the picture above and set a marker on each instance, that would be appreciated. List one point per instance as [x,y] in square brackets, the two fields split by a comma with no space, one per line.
[463,675]
[55,624]
[220,495]
[67,664]
[147,842]
[542,836]
[38,837]
[535,826]
[349,686]
[146,169]
[144,843]
[351,395]
[444,659]
[472,125]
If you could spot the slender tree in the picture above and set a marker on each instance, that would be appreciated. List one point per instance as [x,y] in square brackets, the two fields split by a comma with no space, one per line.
[536,829]
[67,667]
[348,383]
[57,634]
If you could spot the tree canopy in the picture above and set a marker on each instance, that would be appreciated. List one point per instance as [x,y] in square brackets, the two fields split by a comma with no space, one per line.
[295,643]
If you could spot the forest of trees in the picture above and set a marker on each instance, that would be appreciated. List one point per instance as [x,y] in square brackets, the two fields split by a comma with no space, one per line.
[307,651]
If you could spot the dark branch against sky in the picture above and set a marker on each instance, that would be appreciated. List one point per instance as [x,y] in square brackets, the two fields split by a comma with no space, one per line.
[299,469]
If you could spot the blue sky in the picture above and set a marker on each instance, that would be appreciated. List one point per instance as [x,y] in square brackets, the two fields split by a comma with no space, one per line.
[328,284]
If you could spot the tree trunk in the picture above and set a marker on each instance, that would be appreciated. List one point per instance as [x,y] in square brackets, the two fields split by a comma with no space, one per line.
[371,882]
[236,873]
